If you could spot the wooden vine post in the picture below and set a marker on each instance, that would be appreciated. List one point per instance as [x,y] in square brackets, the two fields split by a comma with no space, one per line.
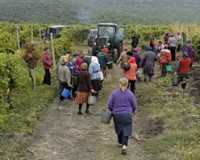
[32,36]
[18,36]
[53,51]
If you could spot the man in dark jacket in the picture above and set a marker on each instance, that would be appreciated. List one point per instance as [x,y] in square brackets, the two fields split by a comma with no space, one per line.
[149,63]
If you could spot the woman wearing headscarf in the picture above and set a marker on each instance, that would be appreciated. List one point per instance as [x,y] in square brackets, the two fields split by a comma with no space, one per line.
[64,76]
[184,67]
[47,64]
[84,88]
[131,73]
[122,104]
[190,50]
[94,70]
[79,61]
[136,55]
[164,59]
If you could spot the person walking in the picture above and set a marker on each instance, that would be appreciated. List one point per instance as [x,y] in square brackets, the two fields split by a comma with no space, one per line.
[122,104]
[136,55]
[102,61]
[179,41]
[161,46]
[190,50]
[164,59]
[64,76]
[47,64]
[184,67]
[79,60]
[131,74]
[94,70]
[31,58]
[84,88]
[172,46]
[148,63]
[138,58]
[123,57]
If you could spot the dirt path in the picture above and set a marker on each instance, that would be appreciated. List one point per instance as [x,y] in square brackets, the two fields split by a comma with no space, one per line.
[64,135]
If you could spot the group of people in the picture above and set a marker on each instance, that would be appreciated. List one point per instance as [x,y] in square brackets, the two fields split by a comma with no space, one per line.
[83,75]
[122,102]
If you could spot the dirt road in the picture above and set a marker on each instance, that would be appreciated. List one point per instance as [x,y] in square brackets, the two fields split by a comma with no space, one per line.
[64,135]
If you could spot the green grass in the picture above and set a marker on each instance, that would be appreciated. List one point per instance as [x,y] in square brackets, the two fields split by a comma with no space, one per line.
[20,121]
[180,137]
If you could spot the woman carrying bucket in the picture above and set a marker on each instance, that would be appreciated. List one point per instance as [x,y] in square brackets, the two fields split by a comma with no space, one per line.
[84,88]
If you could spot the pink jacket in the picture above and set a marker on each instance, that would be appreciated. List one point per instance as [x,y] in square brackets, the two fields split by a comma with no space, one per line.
[47,60]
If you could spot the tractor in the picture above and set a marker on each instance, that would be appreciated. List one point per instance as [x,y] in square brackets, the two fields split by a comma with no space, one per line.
[111,36]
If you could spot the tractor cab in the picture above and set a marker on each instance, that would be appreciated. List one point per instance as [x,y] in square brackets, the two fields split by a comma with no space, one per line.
[106,33]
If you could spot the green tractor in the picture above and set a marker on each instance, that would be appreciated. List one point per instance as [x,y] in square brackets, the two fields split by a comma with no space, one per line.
[111,36]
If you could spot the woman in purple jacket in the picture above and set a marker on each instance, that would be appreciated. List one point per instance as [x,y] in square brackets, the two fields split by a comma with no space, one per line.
[122,104]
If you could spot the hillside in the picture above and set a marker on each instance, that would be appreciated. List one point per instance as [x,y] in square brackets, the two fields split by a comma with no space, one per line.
[91,11]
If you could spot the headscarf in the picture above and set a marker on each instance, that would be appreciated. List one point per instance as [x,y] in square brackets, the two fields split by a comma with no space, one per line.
[189,50]
[94,60]
[185,54]
[105,50]
[132,60]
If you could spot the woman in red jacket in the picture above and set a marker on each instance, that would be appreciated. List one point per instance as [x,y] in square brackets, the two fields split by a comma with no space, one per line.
[184,67]
[164,59]
[47,64]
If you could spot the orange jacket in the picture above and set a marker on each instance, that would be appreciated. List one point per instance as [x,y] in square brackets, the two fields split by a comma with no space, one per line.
[185,66]
[131,73]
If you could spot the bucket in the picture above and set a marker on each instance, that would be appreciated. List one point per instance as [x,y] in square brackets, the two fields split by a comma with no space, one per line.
[92,100]
[66,93]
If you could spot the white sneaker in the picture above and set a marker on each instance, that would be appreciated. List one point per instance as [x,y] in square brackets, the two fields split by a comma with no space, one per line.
[124,150]
[60,107]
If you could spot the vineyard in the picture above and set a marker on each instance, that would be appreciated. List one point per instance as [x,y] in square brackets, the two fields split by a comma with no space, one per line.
[20,105]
